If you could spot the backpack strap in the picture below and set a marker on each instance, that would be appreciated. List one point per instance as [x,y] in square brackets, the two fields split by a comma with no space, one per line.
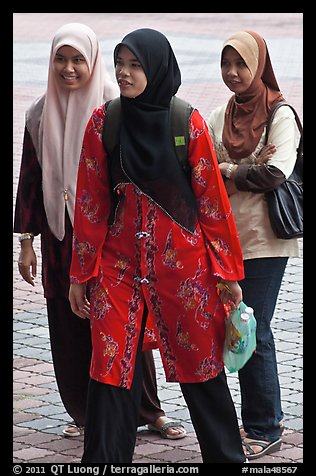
[111,126]
[180,114]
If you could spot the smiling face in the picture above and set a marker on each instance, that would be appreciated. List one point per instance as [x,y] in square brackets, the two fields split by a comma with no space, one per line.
[235,73]
[129,74]
[70,68]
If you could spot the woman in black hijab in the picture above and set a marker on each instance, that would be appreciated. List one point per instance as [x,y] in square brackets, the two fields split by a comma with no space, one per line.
[147,154]
[163,248]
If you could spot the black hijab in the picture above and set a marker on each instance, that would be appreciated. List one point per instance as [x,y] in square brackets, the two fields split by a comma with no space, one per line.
[147,151]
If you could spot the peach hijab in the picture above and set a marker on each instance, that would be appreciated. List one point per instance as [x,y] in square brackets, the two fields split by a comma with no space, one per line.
[246,114]
[57,122]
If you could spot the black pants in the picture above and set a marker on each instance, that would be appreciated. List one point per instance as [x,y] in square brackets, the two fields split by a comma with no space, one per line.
[214,419]
[150,409]
[70,341]
[112,416]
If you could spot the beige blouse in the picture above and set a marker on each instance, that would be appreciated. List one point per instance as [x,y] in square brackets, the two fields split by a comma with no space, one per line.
[250,209]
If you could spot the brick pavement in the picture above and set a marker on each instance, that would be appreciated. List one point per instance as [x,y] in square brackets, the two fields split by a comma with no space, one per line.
[39,415]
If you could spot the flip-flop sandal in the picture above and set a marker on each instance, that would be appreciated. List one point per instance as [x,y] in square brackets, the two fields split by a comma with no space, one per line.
[73,430]
[267,448]
[164,428]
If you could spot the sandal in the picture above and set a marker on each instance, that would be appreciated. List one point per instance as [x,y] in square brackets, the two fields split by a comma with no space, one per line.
[73,430]
[267,448]
[163,430]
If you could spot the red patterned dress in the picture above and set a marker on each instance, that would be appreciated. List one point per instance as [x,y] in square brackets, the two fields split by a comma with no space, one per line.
[146,257]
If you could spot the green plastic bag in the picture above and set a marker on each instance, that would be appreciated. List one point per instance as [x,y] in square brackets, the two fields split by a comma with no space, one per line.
[240,339]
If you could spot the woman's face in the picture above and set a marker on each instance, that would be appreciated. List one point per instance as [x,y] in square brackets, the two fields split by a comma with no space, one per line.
[70,68]
[235,72]
[129,74]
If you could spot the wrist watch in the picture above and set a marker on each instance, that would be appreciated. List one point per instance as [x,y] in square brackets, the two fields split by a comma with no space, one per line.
[229,171]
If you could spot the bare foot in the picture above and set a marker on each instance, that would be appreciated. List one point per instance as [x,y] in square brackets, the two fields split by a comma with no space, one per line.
[172,432]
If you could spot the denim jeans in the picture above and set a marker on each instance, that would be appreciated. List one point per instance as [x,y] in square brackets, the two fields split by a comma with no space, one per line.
[261,410]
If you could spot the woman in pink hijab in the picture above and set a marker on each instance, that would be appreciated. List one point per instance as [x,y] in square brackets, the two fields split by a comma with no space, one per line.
[55,123]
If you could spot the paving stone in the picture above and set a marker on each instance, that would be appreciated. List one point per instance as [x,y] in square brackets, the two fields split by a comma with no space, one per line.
[32,453]
[27,404]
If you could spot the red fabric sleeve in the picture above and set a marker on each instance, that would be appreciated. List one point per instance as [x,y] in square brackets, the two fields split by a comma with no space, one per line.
[92,203]
[216,217]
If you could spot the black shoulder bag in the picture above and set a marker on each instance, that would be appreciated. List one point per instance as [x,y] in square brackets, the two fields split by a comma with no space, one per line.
[285,203]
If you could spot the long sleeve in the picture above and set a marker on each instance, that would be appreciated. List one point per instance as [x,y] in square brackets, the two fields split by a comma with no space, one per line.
[258,178]
[216,217]
[250,176]
[92,203]
[29,209]
[262,178]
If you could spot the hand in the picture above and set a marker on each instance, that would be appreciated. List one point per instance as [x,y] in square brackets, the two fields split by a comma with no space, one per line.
[223,168]
[27,262]
[78,300]
[230,293]
[266,153]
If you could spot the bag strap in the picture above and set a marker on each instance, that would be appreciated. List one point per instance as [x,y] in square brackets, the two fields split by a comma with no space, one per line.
[110,132]
[180,113]
[297,119]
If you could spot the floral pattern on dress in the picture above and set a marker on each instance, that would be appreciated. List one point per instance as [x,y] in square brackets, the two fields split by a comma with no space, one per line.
[88,208]
[169,255]
[97,120]
[122,264]
[92,164]
[189,238]
[199,169]
[210,208]
[195,297]
[219,249]
[183,338]
[131,336]
[99,301]
[195,132]
[209,366]
[110,350]
[82,249]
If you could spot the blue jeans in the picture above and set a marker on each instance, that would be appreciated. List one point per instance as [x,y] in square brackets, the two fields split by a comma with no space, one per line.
[261,410]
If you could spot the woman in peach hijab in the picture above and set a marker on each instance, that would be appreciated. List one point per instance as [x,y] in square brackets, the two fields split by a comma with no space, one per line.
[77,82]
[250,168]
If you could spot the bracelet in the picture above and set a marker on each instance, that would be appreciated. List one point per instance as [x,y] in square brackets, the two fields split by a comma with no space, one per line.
[229,171]
[26,236]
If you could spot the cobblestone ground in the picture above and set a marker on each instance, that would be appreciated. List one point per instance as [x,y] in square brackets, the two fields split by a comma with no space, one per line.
[39,415]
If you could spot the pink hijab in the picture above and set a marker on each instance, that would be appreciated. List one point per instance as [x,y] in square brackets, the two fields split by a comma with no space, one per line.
[57,122]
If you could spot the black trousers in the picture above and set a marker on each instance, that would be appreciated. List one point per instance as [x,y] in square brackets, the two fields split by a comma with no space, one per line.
[150,408]
[112,416]
[70,340]
[214,419]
